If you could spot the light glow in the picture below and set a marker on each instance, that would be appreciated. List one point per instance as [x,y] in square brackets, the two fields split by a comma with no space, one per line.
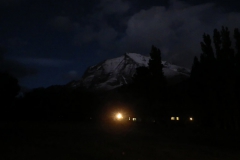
[172,118]
[119,116]
[191,119]
[177,118]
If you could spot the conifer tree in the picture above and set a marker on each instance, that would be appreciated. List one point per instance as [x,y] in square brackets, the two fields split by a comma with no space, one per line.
[196,78]
[142,76]
[9,87]
[206,46]
[195,69]
[156,67]
[237,62]
[227,51]
[237,44]
[217,42]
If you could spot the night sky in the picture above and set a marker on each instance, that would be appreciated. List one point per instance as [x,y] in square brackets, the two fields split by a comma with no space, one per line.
[51,42]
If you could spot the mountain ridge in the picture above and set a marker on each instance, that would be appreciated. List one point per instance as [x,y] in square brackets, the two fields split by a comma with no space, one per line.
[115,72]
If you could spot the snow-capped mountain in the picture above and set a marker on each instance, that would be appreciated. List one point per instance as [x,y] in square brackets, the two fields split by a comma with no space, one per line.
[113,73]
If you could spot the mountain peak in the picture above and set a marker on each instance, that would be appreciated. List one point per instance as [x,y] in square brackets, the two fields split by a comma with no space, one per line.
[113,73]
[138,58]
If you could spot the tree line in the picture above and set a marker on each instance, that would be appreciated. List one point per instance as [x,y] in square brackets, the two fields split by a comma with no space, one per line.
[211,94]
[215,78]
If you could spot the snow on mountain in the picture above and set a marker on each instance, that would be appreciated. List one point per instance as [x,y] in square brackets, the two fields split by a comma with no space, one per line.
[113,73]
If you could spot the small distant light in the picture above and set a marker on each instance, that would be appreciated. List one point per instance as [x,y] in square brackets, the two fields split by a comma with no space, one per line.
[129,118]
[134,119]
[191,119]
[177,118]
[172,118]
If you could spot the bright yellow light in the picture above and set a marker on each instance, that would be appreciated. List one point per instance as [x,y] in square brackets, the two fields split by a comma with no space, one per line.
[190,118]
[172,118]
[177,118]
[119,116]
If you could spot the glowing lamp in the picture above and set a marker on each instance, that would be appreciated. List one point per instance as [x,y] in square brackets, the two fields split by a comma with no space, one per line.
[172,118]
[119,116]
[191,119]
[177,118]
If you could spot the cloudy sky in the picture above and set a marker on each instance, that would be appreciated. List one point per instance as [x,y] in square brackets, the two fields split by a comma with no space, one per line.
[51,42]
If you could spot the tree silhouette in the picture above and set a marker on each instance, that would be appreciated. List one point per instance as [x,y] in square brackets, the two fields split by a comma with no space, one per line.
[215,77]
[237,62]
[156,67]
[142,76]
[9,87]
[151,76]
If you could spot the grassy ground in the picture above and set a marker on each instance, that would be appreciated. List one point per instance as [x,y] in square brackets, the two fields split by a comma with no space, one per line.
[74,141]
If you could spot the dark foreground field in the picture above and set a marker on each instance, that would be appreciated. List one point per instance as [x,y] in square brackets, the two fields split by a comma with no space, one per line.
[75,141]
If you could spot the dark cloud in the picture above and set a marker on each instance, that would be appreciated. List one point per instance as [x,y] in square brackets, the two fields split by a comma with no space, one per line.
[176,30]
[11,2]
[14,67]
[17,42]
[114,6]
[102,27]
[105,36]
[175,4]
[63,23]
[85,35]
[44,62]
[72,75]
